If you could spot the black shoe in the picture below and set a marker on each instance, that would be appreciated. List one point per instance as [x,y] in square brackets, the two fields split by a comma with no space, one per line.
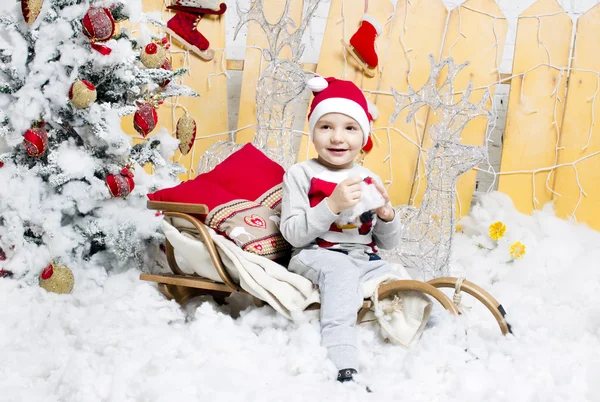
[345,375]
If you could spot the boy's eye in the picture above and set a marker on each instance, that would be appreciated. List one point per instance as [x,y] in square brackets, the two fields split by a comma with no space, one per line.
[351,128]
[325,127]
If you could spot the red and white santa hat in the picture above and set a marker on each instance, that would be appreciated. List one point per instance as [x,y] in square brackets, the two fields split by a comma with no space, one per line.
[339,96]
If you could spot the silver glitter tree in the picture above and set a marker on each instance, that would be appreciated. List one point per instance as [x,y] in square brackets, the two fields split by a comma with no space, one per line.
[426,242]
[279,88]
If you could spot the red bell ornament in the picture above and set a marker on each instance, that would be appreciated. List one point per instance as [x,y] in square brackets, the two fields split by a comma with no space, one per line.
[145,119]
[31,10]
[99,26]
[36,141]
[186,133]
[122,184]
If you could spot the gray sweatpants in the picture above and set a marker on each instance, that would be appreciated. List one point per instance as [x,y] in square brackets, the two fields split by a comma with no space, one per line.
[340,278]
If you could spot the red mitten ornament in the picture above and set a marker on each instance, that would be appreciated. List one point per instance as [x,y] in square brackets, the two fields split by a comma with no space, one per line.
[145,119]
[31,10]
[153,55]
[99,26]
[122,184]
[82,94]
[36,140]
[186,133]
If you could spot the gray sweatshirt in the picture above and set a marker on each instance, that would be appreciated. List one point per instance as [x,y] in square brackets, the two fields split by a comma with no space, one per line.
[307,221]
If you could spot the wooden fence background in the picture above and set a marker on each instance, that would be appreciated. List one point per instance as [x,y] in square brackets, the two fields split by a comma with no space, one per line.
[551,143]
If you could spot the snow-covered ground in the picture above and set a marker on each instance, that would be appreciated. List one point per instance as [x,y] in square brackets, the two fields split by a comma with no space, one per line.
[116,338]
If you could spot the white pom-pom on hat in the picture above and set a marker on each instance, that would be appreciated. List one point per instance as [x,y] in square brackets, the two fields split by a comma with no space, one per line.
[373,110]
[317,83]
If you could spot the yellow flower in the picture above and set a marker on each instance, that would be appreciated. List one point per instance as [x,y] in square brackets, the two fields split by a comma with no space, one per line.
[517,249]
[459,228]
[497,230]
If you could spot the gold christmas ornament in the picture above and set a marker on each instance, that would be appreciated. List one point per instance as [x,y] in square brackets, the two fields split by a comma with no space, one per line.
[186,133]
[82,94]
[153,55]
[57,279]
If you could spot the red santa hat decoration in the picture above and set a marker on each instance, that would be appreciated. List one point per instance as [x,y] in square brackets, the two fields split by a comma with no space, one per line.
[339,96]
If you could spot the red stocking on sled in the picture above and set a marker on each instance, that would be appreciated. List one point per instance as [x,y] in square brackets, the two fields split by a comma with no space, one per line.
[183,26]
[362,44]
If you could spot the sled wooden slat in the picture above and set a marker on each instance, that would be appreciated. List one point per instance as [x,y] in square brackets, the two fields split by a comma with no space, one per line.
[196,209]
[189,281]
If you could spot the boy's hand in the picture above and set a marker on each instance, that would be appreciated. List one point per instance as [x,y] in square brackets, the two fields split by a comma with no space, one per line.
[345,195]
[386,213]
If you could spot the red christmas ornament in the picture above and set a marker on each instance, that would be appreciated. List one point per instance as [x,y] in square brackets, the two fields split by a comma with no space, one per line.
[36,141]
[31,10]
[99,26]
[145,119]
[166,66]
[122,184]
[155,53]
[1,164]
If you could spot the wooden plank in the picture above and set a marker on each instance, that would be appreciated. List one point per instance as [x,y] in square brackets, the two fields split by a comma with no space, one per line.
[193,209]
[187,281]
[580,137]
[335,62]
[476,33]
[417,32]
[535,111]
[210,109]
[254,63]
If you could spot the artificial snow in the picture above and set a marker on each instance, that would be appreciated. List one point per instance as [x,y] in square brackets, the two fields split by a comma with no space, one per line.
[116,338]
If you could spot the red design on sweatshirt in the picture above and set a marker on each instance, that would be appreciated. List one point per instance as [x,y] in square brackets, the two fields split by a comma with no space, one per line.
[321,189]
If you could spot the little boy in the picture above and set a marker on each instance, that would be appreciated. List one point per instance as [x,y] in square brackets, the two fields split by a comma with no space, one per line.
[339,259]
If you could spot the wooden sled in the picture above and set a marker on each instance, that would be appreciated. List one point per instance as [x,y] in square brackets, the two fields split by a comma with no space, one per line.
[182,287]
[369,72]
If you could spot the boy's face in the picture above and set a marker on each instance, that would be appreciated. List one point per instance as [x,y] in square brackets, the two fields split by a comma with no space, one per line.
[338,139]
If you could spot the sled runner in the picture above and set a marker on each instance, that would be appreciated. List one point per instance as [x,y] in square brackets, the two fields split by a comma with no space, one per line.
[182,286]
[369,71]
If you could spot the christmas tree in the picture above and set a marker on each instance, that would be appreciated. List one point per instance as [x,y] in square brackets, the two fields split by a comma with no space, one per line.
[72,184]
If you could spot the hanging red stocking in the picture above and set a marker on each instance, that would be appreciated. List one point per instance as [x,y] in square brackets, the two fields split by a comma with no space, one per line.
[362,43]
[183,28]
